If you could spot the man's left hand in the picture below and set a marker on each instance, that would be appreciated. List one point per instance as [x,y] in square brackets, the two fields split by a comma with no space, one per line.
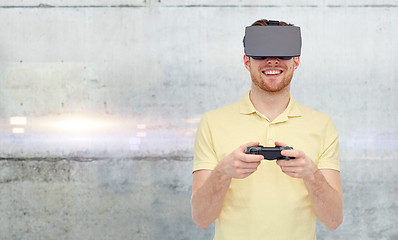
[299,167]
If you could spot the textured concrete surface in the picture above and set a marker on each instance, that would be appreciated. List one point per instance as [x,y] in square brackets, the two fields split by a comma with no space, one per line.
[149,199]
[108,199]
[99,102]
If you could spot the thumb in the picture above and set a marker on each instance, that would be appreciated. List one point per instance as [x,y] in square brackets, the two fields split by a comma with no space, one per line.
[243,147]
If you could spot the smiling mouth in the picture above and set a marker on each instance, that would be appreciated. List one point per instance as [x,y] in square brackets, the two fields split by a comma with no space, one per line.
[272,72]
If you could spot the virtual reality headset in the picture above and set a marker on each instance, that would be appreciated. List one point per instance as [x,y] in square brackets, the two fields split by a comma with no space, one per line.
[273,40]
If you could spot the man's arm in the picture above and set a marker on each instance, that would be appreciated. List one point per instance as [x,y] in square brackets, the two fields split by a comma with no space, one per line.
[210,186]
[324,186]
[208,191]
[326,195]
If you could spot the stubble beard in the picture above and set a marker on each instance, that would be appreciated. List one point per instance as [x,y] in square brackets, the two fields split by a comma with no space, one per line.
[271,87]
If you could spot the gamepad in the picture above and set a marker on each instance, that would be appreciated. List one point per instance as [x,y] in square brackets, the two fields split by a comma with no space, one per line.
[269,153]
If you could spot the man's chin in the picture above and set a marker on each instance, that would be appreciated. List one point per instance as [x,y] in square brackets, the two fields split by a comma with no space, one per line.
[272,88]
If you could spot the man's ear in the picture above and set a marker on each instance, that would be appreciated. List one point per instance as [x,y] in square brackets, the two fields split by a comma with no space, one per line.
[296,62]
[246,61]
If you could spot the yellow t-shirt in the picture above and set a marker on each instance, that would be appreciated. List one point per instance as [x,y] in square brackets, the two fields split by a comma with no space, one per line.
[268,204]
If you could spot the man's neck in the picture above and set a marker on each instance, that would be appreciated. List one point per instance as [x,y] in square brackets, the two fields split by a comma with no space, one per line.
[269,104]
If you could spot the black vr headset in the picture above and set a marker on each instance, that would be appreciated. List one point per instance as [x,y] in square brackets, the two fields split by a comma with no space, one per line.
[283,42]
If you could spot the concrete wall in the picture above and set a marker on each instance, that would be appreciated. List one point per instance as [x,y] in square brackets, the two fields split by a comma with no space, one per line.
[99,102]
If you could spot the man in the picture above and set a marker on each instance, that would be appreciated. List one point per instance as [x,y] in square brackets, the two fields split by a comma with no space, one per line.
[253,198]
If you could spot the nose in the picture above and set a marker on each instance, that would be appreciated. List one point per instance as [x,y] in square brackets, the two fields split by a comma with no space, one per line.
[272,60]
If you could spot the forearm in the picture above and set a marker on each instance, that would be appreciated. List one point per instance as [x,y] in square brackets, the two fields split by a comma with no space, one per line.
[327,202]
[207,200]
[209,187]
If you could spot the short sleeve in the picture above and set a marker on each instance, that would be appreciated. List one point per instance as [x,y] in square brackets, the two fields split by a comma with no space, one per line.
[204,154]
[329,155]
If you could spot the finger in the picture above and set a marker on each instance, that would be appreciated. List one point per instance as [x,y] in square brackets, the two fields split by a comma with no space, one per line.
[296,162]
[281,163]
[292,174]
[293,153]
[243,171]
[245,165]
[288,169]
[250,165]
[292,171]
[243,147]
[277,143]
[244,175]
[289,153]
[252,158]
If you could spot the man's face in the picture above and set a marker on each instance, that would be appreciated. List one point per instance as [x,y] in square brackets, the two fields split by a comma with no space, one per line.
[271,74]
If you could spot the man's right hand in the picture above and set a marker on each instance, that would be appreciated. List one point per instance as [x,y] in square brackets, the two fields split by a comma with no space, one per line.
[238,164]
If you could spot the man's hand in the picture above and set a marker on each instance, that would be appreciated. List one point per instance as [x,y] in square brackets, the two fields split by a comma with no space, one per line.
[238,164]
[300,167]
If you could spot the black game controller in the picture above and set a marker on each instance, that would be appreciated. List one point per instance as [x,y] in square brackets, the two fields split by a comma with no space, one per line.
[269,153]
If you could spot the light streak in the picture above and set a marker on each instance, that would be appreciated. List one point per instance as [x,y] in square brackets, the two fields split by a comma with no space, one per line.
[18,120]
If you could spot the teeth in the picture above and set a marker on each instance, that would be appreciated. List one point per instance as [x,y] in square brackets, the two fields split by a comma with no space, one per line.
[273,72]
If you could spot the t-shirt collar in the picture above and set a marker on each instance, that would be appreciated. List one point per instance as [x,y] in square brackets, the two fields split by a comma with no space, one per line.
[246,107]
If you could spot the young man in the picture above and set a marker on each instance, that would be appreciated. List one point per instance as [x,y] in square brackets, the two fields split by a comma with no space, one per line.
[253,198]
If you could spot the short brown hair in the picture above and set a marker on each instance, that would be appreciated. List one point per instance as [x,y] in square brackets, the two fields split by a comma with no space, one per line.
[265,22]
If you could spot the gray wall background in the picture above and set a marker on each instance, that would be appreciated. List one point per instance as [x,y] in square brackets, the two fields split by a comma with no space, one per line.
[110,93]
